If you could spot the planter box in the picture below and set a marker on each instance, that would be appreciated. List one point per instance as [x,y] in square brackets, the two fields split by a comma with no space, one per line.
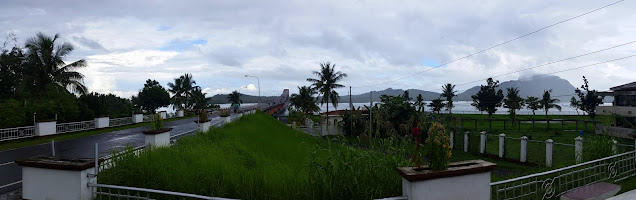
[163,114]
[226,119]
[138,118]
[51,178]
[45,128]
[158,138]
[462,180]
[102,122]
[204,126]
[179,113]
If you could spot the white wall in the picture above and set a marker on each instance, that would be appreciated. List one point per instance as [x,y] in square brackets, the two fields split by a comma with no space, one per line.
[158,140]
[466,187]
[52,184]
[45,128]
[102,122]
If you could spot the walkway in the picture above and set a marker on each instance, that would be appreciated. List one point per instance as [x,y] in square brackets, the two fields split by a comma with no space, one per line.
[82,148]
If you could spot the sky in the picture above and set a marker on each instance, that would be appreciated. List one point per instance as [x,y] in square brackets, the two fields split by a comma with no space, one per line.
[373,42]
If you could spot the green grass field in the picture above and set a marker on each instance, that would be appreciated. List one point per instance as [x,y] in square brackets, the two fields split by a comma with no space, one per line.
[12,144]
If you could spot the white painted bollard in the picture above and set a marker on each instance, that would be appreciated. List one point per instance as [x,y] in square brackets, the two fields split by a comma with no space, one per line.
[549,144]
[452,139]
[466,141]
[45,128]
[482,142]
[138,118]
[502,142]
[102,122]
[524,149]
[578,149]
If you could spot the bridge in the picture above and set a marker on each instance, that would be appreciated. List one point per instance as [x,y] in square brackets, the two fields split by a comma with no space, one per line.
[275,107]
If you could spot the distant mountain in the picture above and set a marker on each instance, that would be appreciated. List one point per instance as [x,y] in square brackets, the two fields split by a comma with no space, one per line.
[222,98]
[530,87]
[364,97]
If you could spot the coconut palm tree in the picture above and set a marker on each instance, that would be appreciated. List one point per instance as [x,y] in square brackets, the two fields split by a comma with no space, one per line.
[448,91]
[183,91]
[326,84]
[199,99]
[235,98]
[533,104]
[419,101]
[548,102]
[304,100]
[513,102]
[574,103]
[46,65]
[177,99]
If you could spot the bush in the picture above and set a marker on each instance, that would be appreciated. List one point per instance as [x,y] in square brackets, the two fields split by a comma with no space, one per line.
[597,147]
[157,122]
[437,145]
[12,114]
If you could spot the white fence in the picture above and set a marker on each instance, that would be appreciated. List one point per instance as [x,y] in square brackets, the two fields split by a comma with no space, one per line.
[17,133]
[551,184]
[505,112]
[120,121]
[74,126]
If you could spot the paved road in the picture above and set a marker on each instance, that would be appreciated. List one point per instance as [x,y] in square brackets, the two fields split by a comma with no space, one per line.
[82,148]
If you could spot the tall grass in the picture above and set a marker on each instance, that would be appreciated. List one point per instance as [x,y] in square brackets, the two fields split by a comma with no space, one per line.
[258,157]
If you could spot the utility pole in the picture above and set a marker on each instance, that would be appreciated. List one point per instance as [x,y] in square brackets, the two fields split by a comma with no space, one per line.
[351,112]
[370,112]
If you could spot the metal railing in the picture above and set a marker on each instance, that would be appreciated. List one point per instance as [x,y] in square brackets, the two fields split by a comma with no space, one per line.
[17,133]
[120,121]
[147,118]
[74,126]
[103,191]
[551,184]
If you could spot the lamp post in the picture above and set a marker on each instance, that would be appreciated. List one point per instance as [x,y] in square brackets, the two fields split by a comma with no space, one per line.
[259,91]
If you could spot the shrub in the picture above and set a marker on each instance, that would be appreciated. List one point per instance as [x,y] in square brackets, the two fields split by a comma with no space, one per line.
[12,114]
[157,122]
[224,112]
[203,116]
[437,145]
[597,147]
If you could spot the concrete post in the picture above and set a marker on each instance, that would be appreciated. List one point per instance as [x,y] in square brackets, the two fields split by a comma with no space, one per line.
[578,149]
[45,128]
[466,141]
[524,149]
[179,113]
[549,144]
[482,142]
[47,178]
[138,118]
[502,142]
[102,122]
[614,147]
[452,139]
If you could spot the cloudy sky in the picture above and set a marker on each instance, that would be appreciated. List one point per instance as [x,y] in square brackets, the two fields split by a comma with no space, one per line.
[282,42]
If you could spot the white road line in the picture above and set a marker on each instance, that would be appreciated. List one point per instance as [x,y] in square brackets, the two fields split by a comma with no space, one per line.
[7,163]
[10,184]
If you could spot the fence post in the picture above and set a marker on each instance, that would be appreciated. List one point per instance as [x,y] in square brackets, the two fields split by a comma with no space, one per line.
[502,141]
[53,148]
[452,139]
[524,149]
[466,141]
[614,148]
[549,144]
[482,142]
[578,149]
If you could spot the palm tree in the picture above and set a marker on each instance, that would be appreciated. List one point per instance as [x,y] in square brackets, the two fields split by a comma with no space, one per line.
[47,66]
[574,103]
[436,105]
[182,90]
[304,100]
[419,101]
[326,84]
[199,99]
[548,102]
[235,98]
[533,104]
[176,89]
[448,91]
[513,102]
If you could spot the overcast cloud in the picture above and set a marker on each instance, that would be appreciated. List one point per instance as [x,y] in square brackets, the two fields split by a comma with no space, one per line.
[281,42]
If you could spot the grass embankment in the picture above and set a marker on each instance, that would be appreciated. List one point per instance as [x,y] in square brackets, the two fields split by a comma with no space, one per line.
[257,157]
[12,144]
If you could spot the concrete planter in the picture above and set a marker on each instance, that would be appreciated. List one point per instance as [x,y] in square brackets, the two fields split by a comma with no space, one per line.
[226,119]
[138,118]
[472,176]
[179,113]
[51,178]
[204,126]
[158,138]
[163,114]
[45,128]
[102,122]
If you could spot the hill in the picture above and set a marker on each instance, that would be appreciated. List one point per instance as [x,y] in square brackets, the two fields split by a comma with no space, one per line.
[222,98]
[530,87]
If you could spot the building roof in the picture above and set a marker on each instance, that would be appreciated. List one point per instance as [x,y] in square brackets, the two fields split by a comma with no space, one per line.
[630,86]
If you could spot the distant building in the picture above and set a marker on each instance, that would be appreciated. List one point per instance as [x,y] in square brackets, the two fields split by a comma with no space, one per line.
[335,121]
[624,105]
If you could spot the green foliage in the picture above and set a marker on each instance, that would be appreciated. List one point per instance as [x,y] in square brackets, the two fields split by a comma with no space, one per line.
[156,122]
[185,93]
[296,117]
[95,104]
[597,147]
[395,115]
[224,112]
[513,102]
[151,97]
[55,100]
[12,114]
[11,72]
[359,125]
[488,98]
[203,116]
[589,99]
[533,104]
[448,91]
[548,102]
[235,98]
[419,103]
[574,103]
[327,83]
[436,105]
[438,149]
[304,100]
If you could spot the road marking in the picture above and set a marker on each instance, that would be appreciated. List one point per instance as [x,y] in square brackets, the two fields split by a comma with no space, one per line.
[7,163]
[121,138]
[10,184]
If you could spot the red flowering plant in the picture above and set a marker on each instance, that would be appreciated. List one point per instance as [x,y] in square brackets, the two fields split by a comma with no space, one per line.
[417,156]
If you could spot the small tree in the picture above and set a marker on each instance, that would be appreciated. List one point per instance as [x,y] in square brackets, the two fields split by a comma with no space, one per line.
[419,101]
[151,97]
[488,98]
[436,105]
[533,104]
[548,102]
[588,99]
[575,104]
[448,91]
[513,102]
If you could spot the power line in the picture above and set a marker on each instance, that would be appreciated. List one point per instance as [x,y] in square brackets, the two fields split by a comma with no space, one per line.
[495,46]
